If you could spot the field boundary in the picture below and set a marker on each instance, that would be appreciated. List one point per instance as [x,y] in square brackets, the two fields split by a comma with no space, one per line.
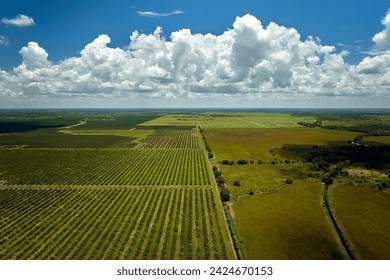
[339,232]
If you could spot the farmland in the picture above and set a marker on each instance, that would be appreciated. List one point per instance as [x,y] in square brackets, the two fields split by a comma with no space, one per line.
[108,193]
[364,221]
[149,184]
[275,177]
[104,167]
[287,223]
[230,120]
[107,223]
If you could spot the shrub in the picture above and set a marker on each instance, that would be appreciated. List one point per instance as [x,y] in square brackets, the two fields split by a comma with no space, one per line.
[289,181]
[327,181]
[273,162]
[259,161]
[334,173]
[225,162]
[225,195]
[286,161]
[236,183]
[231,162]
[217,173]
[220,180]
[251,192]
[242,161]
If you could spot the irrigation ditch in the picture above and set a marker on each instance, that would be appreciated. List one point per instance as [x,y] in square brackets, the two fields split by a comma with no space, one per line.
[340,234]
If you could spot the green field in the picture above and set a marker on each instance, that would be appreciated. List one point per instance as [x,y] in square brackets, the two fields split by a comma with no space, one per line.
[107,223]
[136,167]
[276,220]
[114,192]
[180,184]
[363,215]
[286,223]
[263,144]
[230,120]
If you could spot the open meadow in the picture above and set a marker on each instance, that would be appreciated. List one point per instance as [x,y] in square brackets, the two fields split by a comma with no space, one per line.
[362,212]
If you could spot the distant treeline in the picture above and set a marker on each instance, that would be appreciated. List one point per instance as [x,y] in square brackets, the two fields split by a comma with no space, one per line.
[366,129]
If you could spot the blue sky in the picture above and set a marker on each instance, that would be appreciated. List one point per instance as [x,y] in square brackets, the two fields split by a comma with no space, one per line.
[64,28]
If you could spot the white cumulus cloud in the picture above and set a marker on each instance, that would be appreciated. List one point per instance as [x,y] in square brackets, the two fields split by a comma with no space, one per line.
[383,37]
[248,64]
[19,20]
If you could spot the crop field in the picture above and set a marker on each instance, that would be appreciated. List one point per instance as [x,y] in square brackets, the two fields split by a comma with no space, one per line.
[172,139]
[101,188]
[98,184]
[50,139]
[110,223]
[136,167]
[231,120]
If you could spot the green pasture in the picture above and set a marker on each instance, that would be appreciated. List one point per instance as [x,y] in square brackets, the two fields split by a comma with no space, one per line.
[264,143]
[288,223]
[261,178]
[363,214]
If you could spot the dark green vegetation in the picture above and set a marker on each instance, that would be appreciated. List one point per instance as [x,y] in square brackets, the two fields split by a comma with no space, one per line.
[54,139]
[104,167]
